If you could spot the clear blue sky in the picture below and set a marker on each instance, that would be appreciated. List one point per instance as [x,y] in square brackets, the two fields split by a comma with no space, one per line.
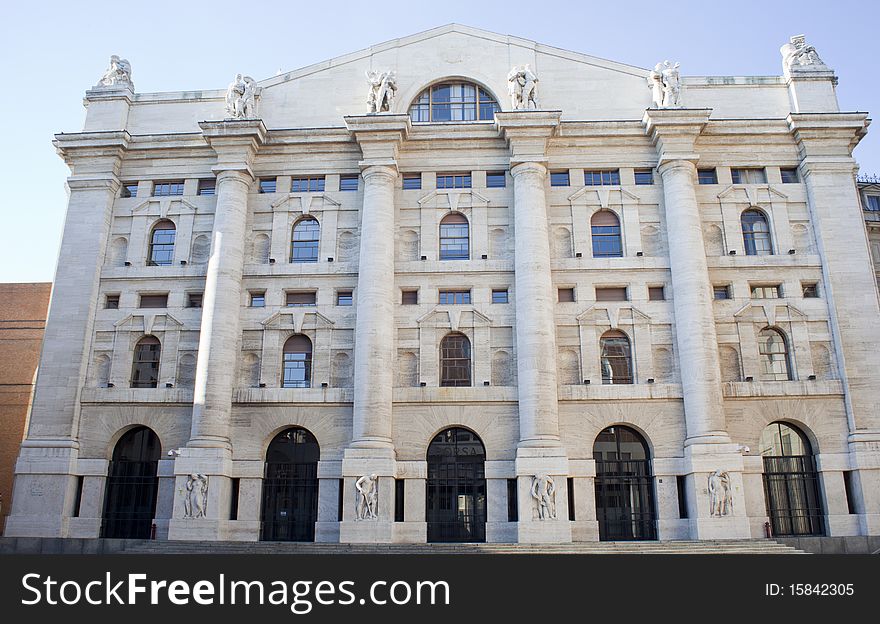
[51,52]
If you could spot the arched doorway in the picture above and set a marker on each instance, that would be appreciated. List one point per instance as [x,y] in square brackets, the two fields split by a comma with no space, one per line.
[791,483]
[624,486]
[290,487]
[456,487]
[132,485]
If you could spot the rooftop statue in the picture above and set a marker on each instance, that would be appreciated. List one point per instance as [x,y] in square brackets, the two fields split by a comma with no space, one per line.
[665,84]
[118,74]
[241,98]
[522,84]
[383,86]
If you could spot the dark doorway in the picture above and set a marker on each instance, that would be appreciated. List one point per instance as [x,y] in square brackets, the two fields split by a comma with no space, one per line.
[132,485]
[290,487]
[624,486]
[791,483]
[456,487]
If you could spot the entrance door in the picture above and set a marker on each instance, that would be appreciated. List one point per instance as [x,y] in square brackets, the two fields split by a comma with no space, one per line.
[624,486]
[132,484]
[290,487]
[456,487]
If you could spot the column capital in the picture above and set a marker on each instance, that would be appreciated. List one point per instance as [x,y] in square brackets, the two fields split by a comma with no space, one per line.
[674,131]
[828,135]
[235,141]
[527,132]
[529,166]
[379,136]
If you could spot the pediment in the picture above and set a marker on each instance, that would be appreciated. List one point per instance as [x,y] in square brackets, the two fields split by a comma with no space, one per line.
[751,194]
[297,319]
[305,203]
[164,206]
[603,196]
[454,318]
[453,199]
[613,314]
[770,312]
[148,323]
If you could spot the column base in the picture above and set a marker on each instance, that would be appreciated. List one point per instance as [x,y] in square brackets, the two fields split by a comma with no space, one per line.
[555,527]
[45,486]
[356,463]
[366,532]
[216,464]
[701,461]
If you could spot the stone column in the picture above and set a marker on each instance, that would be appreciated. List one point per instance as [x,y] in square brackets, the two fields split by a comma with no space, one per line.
[826,142]
[371,451]
[209,451]
[539,451]
[707,447]
[45,482]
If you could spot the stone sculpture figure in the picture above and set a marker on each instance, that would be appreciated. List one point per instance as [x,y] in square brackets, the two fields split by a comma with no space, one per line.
[655,83]
[117,74]
[665,84]
[241,98]
[544,492]
[195,503]
[367,497]
[522,85]
[797,53]
[383,86]
[720,500]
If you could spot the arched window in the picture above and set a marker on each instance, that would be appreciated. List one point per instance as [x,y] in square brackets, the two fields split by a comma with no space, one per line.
[145,365]
[162,244]
[304,242]
[791,483]
[756,233]
[132,485]
[454,237]
[297,362]
[454,101]
[616,361]
[773,349]
[455,360]
[605,230]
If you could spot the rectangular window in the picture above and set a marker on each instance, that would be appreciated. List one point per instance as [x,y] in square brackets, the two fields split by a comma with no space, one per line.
[611,294]
[154,301]
[681,483]
[307,184]
[412,181]
[766,292]
[268,185]
[707,176]
[570,484]
[559,178]
[207,186]
[565,295]
[644,176]
[810,290]
[608,177]
[348,182]
[872,203]
[258,299]
[129,189]
[194,300]
[496,179]
[656,293]
[344,298]
[847,489]
[77,502]
[165,189]
[409,297]
[111,302]
[751,175]
[721,292]
[341,488]
[453,180]
[499,296]
[399,499]
[233,498]
[453,297]
[789,175]
[512,503]
[300,299]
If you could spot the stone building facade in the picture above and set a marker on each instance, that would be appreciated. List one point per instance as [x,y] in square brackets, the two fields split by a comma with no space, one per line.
[869,194]
[575,300]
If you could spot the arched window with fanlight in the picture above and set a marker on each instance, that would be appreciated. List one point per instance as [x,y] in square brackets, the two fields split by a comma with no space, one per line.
[454,237]
[162,244]
[454,101]
[605,232]
[774,352]
[305,239]
[616,358]
[756,233]
[145,364]
[455,360]
[297,362]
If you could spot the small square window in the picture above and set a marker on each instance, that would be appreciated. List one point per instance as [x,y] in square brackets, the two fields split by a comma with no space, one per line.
[207,186]
[166,189]
[752,175]
[872,203]
[344,298]
[453,180]
[194,300]
[111,302]
[656,293]
[409,297]
[307,184]
[609,177]
[721,292]
[455,297]
[566,295]
[707,176]
[348,182]
[496,179]
[499,296]
[611,294]
[258,299]
[559,178]
[268,185]
[412,181]
[644,176]
[789,175]
[301,299]
[810,290]
[129,189]
[767,292]
[154,301]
